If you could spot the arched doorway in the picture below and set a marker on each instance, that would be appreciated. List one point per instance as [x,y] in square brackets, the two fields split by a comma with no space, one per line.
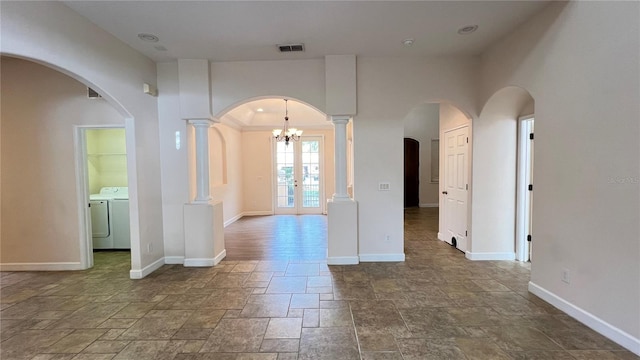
[495,176]
[275,179]
[46,187]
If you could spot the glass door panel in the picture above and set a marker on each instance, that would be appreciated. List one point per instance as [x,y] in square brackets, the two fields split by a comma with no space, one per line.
[299,188]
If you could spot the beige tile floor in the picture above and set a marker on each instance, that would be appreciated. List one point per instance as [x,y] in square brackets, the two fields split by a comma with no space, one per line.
[436,305]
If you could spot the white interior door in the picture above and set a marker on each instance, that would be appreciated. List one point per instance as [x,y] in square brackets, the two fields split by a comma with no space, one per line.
[299,176]
[456,186]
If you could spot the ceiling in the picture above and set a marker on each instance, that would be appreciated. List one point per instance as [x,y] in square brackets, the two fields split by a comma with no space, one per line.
[250,31]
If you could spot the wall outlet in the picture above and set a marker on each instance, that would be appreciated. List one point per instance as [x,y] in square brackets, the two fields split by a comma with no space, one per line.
[387,238]
[384,186]
[149,247]
[565,276]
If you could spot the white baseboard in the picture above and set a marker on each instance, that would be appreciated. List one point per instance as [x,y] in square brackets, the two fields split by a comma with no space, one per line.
[604,328]
[199,262]
[49,266]
[233,219]
[342,260]
[441,238]
[219,257]
[382,257]
[139,274]
[490,256]
[429,205]
[258,213]
[205,262]
[174,260]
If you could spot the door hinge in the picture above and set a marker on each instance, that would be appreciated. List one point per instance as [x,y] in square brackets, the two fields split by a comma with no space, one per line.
[466,233]
[89,204]
[467,140]
[530,187]
[467,187]
[530,136]
[529,238]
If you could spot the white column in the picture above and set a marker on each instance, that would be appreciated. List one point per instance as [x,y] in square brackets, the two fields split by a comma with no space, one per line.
[202,160]
[340,154]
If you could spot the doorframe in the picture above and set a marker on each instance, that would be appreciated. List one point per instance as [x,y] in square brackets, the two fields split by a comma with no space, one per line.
[523,195]
[442,186]
[82,186]
[274,182]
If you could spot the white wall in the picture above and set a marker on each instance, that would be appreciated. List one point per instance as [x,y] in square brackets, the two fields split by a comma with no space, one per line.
[236,82]
[388,89]
[107,158]
[494,174]
[580,62]
[227,170]
[40,107]
[423,124]
[51,33]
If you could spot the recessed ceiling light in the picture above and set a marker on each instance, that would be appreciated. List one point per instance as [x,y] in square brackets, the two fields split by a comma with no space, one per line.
[467,29]
[407,42]
[259,109]
[148,37]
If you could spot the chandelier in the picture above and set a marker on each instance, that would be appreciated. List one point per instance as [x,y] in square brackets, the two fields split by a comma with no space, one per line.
[286,134]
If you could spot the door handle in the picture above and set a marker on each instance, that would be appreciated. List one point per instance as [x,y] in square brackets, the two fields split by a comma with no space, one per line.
[444,193]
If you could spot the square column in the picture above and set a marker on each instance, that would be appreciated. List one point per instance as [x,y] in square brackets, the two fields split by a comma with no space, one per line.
[342,232]
[203,234]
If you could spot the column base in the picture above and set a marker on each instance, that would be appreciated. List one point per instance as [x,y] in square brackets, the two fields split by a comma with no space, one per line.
[342,232]
[203,234]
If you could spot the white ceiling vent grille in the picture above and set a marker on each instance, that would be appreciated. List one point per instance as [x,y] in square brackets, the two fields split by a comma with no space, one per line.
[92,94]
[291,47]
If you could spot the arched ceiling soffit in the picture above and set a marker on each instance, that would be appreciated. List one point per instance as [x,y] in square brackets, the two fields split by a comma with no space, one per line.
[266,114]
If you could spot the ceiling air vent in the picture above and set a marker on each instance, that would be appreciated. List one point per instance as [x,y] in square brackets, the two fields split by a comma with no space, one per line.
[92,94]
[291,47]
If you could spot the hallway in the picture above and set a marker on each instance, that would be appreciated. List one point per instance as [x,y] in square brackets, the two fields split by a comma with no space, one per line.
[436,305]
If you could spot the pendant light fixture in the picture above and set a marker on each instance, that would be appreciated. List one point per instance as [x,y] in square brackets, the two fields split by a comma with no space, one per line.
[286,134]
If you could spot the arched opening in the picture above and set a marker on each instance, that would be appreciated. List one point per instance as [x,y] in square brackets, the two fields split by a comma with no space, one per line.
[444,173]
[267,178]
[52,162]
[498,188]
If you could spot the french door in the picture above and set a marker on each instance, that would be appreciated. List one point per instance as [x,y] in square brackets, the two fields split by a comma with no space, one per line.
[299,176]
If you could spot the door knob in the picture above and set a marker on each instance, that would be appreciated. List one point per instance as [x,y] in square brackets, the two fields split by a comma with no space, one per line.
[445,193]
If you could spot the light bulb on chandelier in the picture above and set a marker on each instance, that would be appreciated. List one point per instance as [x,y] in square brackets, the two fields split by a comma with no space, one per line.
[286,134]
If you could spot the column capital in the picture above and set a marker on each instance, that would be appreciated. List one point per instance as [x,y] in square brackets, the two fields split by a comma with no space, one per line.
[203,122]
[340,119]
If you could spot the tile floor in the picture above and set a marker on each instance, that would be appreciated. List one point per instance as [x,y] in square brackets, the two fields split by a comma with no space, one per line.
[436,305]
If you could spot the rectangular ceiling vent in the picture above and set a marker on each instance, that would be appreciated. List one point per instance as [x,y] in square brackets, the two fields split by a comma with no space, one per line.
[291,47]
[92,94]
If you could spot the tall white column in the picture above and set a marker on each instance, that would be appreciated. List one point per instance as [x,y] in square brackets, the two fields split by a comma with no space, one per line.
[202,160]
[340,132]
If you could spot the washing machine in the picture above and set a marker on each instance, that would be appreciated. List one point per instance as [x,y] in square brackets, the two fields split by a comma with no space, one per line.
[110,218]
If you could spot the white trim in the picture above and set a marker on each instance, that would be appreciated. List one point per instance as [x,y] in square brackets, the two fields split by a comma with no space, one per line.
[205,262]
[45,266]
[429,205]
[171,260]
[139,274]
[382,257]
[342,260]
[233,219]
[600,326]
[490,256]
[219,257]
[199,262]
[440,237]
[257,213]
